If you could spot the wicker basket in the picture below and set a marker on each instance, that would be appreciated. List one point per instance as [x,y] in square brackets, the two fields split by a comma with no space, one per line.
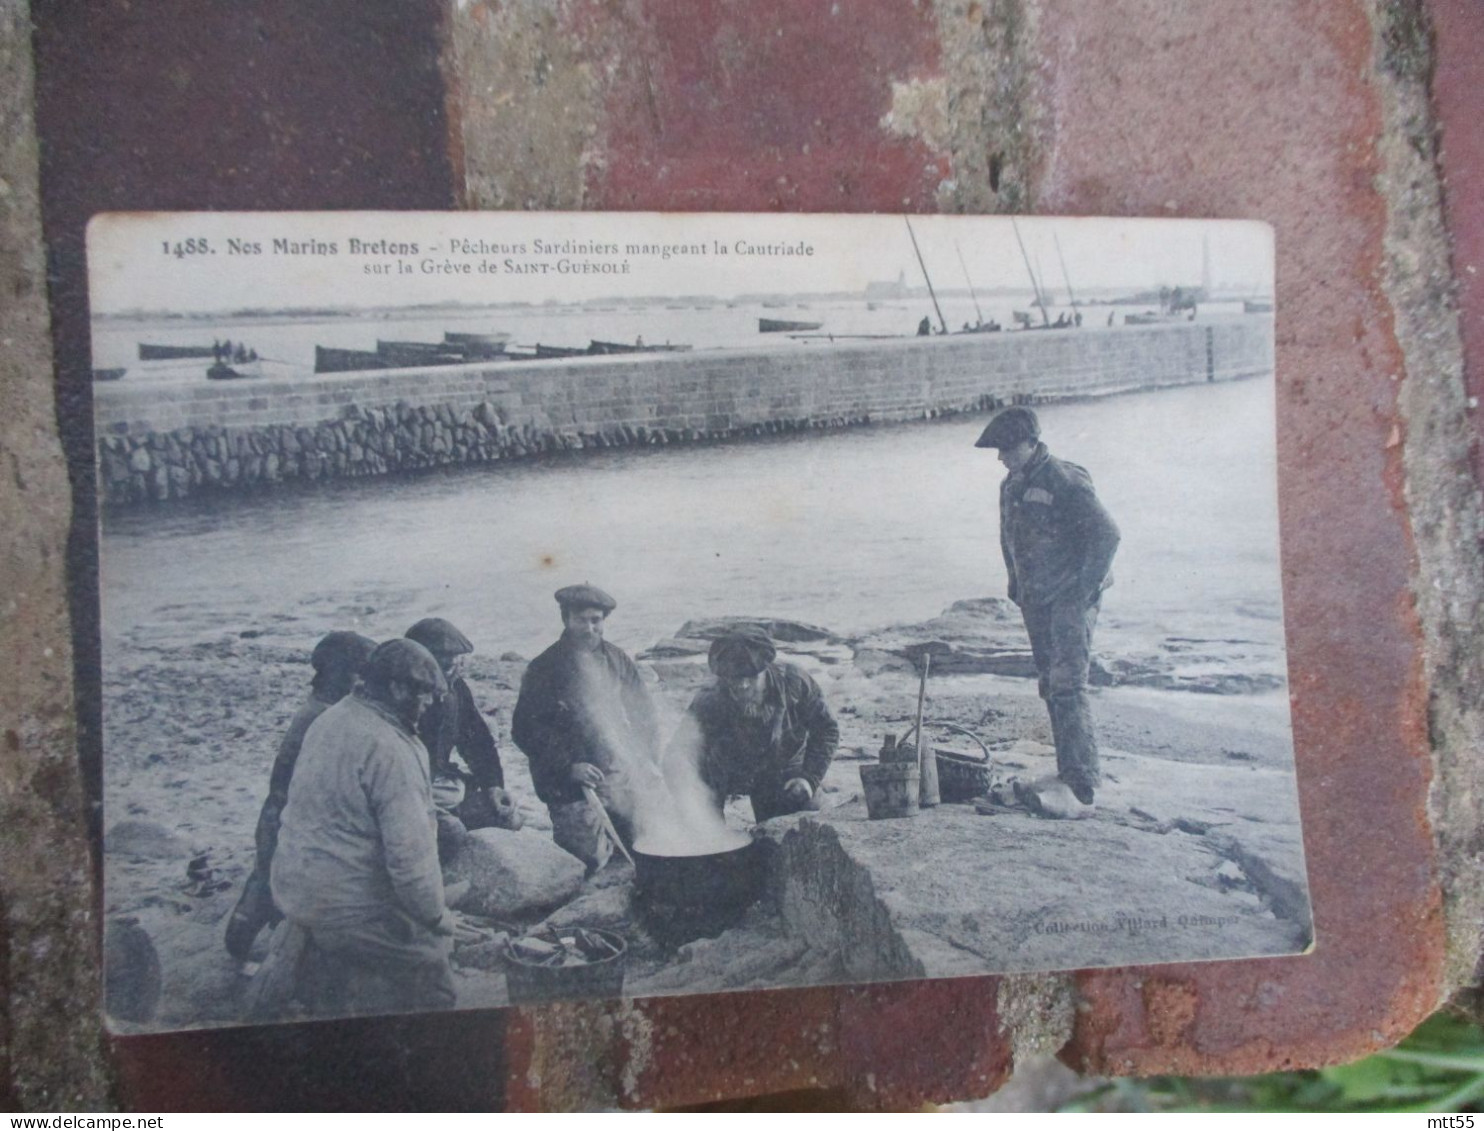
[961,776]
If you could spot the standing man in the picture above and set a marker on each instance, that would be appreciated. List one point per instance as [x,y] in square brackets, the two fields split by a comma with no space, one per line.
[336,661]
[1058,544]
[586,722]
[765,730]
[466,799]
[357,862]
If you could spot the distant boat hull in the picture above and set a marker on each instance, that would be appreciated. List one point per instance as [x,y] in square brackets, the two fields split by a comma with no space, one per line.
[783,326]
[597,347]
[109,374]
[476,347]
[330,360]
[174,353]
[1152,319]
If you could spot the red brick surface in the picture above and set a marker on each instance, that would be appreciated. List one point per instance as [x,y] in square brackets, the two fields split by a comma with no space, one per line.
[761,105]
[1203,108]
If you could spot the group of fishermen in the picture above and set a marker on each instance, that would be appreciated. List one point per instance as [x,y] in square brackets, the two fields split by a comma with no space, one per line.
[366,799]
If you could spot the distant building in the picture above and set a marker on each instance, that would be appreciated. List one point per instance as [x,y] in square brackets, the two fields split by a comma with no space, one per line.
[883,290]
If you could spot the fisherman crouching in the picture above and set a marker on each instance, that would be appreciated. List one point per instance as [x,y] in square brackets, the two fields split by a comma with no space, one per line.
[586,722]
[336,661]
[356,871]
[765,730]
[465,799]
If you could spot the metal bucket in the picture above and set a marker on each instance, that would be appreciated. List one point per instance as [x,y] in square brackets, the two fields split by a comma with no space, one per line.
[530,983]
[682,898]
[890,789]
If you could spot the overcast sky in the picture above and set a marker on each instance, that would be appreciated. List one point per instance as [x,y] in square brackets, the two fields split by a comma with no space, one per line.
[143,261]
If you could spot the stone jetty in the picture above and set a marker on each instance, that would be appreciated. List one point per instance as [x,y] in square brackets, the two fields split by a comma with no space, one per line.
[163,442]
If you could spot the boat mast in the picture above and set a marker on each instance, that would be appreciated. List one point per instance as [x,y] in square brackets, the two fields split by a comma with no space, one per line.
[979,314]
[1035,286]
[1072,298]
[931,293]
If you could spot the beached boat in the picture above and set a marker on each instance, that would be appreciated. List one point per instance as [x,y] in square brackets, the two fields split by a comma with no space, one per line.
[1151,318]
[109,374]
[327,359]
[175,353]
[545,352]
[402,355]
[476,347]
[597,347]
[783,326]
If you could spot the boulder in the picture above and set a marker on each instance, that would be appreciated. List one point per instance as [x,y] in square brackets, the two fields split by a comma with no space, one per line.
[514,874]
[782,631]
[601,907]
[131,971]
[145,840]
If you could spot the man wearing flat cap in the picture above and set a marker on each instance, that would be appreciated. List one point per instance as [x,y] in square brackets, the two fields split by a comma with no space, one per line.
[765,730]
[467,798]
[356,872]
[586,722]
[1058,543]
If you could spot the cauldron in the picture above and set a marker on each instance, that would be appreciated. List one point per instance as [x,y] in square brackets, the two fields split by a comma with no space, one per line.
[682,898]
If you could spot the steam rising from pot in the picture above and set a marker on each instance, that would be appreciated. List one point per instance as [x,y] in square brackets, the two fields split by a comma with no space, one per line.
[659,791]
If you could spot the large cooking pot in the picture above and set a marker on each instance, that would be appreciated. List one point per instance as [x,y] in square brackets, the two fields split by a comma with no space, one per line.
[682,898]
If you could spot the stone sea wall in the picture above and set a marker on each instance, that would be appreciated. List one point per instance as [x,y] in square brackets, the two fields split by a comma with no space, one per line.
[158,442]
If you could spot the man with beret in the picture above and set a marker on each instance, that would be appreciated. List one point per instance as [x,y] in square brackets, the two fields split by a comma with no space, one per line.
[1058,543]
[466,799]
[357,864]
[765,730]
[586,722]
[336,661]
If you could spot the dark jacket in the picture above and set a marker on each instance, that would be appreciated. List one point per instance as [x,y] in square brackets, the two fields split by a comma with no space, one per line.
[1057,539]
[577,706]
[795,739]
[454,723]
[266,836]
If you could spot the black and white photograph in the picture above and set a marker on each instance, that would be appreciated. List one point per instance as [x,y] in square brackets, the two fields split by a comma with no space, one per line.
[504,608]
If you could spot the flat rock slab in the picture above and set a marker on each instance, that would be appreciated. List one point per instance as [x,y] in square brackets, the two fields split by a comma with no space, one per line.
[1213,868]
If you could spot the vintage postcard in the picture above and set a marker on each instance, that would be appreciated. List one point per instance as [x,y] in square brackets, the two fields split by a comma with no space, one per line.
[507,607]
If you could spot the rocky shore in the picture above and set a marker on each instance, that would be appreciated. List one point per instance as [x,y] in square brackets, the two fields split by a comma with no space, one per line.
[1194,850]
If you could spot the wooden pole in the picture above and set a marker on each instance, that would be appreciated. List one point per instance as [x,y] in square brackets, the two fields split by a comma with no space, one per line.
[602,815]
[927,760]
[926,277]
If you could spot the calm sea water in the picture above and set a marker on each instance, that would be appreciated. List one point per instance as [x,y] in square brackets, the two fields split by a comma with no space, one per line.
[850,530]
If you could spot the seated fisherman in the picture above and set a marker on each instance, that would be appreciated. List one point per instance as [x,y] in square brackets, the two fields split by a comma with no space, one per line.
[585,720]
[336,661]
[356,872]
[472,799]
[765,730]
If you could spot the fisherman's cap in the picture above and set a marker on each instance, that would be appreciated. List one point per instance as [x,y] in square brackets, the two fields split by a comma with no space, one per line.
[584,596]
[1012,426]
[408,661]
[440,637]
[341,651]
[743,652]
